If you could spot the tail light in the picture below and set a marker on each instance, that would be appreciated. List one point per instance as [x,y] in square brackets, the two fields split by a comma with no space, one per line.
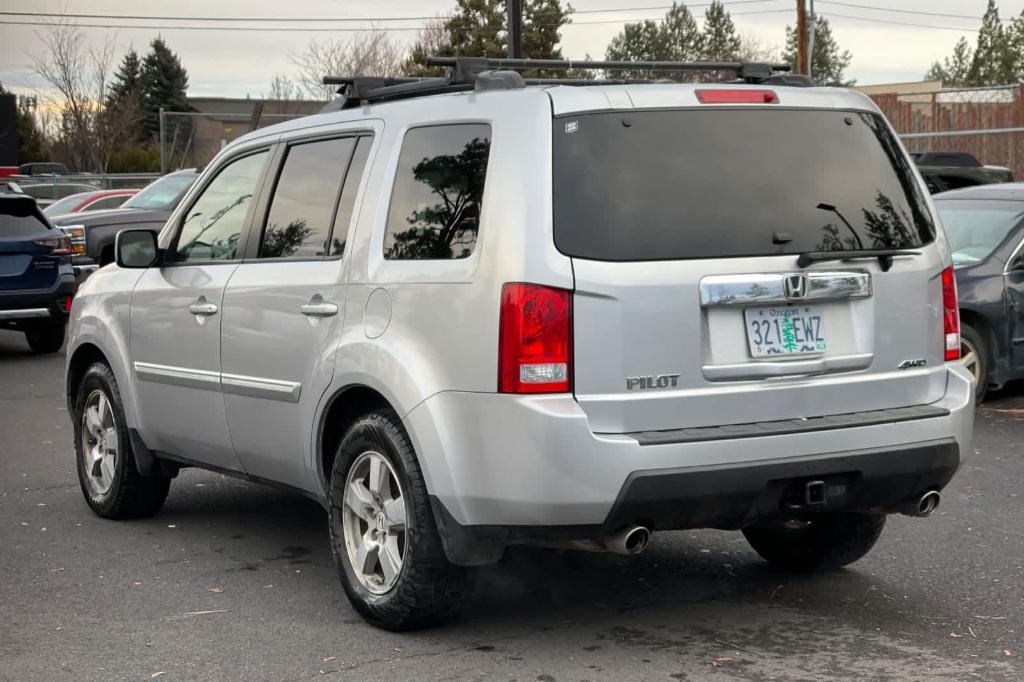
[535,339]
[77,235]
[744,96]
[950,315]
[65,304]
[59,246]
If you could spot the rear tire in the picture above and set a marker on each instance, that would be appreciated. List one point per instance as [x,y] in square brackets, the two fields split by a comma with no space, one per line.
[976,356]
[112,485]
[819,542]
[426,589]
[45,338]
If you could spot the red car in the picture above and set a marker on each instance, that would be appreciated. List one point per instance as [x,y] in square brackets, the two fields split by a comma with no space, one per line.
[100,200]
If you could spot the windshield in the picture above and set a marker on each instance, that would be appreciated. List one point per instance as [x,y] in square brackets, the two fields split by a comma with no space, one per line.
[660,185]
[163,193]
[65,205]
[976,227]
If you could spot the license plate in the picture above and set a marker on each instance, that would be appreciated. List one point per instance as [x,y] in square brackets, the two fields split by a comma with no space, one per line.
[785,330]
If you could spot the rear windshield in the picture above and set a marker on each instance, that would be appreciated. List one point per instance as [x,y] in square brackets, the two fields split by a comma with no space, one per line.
[665,185]
[18,218]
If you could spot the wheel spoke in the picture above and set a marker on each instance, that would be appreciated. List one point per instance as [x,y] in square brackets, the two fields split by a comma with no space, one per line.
[395,511]
[103,409]
[95,462]
[366,555]
[378,476]
[92,420]
[390,560]
[107,469]
[360,501]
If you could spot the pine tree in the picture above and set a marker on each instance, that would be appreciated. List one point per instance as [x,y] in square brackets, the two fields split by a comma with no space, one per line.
[163,83]
[953,71]
[31,142]
[721,41]
[127,80]
[1015,49]
[674,38]
[991,64]
[828,62]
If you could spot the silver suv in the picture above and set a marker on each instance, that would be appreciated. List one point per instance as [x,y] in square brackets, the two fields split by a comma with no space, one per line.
[477,311]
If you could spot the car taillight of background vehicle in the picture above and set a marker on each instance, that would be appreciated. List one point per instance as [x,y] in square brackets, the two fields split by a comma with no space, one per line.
[77,235]
[535,339]
[718,96]
[59,246]
[950,315]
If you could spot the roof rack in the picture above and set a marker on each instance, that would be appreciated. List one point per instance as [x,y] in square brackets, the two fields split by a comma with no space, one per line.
[480,73]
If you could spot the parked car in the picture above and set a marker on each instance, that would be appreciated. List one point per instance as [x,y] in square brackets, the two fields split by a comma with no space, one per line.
[96,200]
[945,171]
[985,226]
[462,314]
[93,233]
[36,279]
[42,168]
[46,193]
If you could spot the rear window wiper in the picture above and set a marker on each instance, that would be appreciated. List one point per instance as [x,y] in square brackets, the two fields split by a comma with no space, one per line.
[884,256]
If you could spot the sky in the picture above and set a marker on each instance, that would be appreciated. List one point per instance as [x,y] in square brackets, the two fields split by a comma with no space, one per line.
[234,63]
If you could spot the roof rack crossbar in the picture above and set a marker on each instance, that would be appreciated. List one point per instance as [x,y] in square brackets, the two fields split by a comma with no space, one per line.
[554,64]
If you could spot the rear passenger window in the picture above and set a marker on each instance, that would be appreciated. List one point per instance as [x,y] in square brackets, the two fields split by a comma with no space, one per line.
[439,184]
[302,207]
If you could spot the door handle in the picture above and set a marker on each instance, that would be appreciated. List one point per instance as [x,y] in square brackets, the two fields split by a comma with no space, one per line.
[202,307]
[319,309]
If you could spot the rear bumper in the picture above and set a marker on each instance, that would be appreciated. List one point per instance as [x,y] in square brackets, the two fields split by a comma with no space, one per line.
[18,308]
[529,467]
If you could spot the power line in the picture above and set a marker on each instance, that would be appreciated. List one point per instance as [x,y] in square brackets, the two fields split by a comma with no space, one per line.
[325,29]
[902,11]
[897,23]
[140,17]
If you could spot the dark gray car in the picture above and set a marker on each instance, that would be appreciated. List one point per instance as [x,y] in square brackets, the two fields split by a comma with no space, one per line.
[985,225]
[93,233]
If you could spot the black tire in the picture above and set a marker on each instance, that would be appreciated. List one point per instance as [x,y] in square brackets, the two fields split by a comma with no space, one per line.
[131,495]
[975,340]
[429,589]
[821,542]
[45,338]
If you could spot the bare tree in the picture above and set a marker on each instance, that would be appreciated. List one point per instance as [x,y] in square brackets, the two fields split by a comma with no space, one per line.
[283,88]
[80,75]
[753,49]
[367,53]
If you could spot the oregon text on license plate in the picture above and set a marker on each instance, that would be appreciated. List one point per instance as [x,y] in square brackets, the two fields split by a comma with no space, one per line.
[785,330]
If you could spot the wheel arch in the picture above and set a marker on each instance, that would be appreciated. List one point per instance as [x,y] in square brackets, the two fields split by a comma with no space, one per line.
[342,409]
[83,357]
[997,364]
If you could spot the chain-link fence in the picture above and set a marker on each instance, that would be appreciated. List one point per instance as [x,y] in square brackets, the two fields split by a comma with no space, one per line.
[987,122]
[191,138]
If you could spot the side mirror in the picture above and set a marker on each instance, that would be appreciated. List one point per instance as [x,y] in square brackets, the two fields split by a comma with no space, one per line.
[136,249]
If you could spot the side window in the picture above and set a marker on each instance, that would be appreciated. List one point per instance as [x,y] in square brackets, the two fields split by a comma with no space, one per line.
[213,224]
[299,221]
[439,184]
[347,202]
[106,203]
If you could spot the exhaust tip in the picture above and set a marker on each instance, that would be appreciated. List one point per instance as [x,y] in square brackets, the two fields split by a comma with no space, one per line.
[636,540]
[928,503]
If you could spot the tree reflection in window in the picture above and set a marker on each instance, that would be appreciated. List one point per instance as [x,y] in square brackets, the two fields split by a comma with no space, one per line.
[435,208]
[888,227]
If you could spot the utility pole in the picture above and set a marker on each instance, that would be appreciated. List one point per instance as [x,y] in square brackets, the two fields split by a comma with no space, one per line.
[811,22]
[802,56]
[515,28]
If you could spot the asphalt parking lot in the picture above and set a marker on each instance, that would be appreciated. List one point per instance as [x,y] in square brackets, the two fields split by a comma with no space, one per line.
[233,580]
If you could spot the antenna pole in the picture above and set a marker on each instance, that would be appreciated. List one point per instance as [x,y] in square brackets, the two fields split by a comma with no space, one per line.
[515,28]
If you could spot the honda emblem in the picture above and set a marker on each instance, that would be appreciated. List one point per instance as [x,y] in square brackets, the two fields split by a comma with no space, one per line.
[795,286]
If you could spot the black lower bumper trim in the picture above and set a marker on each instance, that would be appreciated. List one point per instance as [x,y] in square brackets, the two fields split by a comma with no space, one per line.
[739,495]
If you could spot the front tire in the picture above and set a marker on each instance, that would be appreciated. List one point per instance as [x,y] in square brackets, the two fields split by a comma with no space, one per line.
[818,542]
[383,536]
[45,338]
[112,486]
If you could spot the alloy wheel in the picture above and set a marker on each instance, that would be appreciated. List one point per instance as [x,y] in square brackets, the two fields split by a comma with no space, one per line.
[99,442]
[373,519]
[970,359]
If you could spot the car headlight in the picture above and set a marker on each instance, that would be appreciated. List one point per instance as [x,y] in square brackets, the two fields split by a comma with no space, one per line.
[77,235]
